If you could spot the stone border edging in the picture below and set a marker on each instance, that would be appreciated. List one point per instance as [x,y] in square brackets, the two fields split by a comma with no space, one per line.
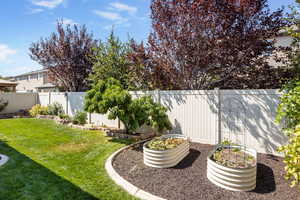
[130,188]
[4,159]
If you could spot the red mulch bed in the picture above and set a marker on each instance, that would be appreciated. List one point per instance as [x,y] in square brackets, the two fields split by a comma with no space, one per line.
[188,179]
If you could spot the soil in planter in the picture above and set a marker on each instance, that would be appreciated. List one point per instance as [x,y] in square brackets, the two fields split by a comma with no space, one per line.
[165,143]
[233,157]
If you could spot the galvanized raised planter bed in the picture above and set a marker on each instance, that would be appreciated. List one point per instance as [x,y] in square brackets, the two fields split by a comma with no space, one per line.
[166,158]
[235,179]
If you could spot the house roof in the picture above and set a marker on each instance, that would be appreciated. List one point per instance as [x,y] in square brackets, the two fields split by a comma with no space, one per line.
[7,83]
[32,72]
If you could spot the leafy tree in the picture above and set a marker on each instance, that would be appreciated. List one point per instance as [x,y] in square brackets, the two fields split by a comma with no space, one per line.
[111,61]
[66,54]
[205,44]
[108,96]
[289,108]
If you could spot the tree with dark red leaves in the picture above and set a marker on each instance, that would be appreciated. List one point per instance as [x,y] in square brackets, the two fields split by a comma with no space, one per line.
[67,55]
[198,44]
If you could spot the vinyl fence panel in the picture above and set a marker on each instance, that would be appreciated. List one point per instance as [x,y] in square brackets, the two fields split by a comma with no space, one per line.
[18,101]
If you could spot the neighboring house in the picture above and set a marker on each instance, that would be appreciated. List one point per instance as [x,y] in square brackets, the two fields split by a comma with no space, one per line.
[35,81]
[7,86]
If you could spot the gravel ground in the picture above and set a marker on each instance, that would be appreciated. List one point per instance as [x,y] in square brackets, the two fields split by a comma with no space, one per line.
[187,180]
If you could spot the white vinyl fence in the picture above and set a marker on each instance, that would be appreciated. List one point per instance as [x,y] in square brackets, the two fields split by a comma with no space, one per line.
[205,116]
[18,101]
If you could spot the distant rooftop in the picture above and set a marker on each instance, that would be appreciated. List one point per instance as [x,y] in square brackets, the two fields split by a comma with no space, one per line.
[7,83]
[32,72]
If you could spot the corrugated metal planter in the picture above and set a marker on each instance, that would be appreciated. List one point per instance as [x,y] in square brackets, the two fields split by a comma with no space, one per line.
[3,159]
[166,158]
[235,179]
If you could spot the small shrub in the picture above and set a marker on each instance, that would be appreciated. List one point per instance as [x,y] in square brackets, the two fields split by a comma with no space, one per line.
[3,104]
[64,116]
[38,110]
[108,97]
[292,157]
[289,115]
[80,118]
[55,109]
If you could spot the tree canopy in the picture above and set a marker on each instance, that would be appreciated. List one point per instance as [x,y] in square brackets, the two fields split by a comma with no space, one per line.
[111,61]
[199,44]
[67,55]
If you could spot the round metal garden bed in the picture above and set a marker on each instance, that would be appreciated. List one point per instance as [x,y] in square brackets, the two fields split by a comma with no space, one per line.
[235,179]
[166,158]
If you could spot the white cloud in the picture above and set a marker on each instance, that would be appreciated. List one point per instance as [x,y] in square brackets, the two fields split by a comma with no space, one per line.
[35,10]
[5,51]
[109,15]
[47,3]
[123,7]
[67,21]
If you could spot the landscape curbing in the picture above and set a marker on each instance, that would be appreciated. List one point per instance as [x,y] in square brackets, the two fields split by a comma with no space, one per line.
[3,159]
[130,188]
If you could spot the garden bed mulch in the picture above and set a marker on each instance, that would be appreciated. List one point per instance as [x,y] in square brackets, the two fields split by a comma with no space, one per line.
[188,181]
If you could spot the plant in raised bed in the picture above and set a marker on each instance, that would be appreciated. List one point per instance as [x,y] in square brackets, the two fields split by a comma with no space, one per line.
[165,143]
[233,157]
[232,165]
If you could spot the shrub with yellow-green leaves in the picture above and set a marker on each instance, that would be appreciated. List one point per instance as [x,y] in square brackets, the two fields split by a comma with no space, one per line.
[289,115]
[38,110]
[292,157]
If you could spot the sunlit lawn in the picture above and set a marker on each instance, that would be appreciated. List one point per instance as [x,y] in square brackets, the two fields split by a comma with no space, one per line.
[49,161]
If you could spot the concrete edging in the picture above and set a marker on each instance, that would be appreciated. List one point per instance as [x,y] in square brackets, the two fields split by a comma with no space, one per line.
[4,159]
[130,188]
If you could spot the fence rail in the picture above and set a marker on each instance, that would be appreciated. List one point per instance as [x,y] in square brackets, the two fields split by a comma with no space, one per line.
[206,116]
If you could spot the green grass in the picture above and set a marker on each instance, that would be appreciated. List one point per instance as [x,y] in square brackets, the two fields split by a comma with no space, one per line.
[49,161]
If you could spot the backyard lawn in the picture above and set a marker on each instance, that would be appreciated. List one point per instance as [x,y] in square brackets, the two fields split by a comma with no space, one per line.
[49,161]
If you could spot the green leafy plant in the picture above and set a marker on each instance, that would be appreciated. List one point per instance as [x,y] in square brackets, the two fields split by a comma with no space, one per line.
[110,61]
[165,143]
[292,157]
[289,115]
[55,109]
[38,110]
[3,104]
[80,118]
[108,96]
[64,116]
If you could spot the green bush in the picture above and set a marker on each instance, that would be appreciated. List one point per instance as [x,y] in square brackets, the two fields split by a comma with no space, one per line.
[38,110]
[3,104]
[289,108]
[108,97]
[64,116]
[292,157]
[55,109]
[80,118]
[289,115]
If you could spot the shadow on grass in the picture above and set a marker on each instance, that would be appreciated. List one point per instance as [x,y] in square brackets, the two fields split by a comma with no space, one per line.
[23,178]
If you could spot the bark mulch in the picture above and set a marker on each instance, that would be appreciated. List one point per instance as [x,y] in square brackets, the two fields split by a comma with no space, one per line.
[188,181]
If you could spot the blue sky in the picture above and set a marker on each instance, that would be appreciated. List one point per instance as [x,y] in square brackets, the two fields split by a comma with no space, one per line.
[25,21]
